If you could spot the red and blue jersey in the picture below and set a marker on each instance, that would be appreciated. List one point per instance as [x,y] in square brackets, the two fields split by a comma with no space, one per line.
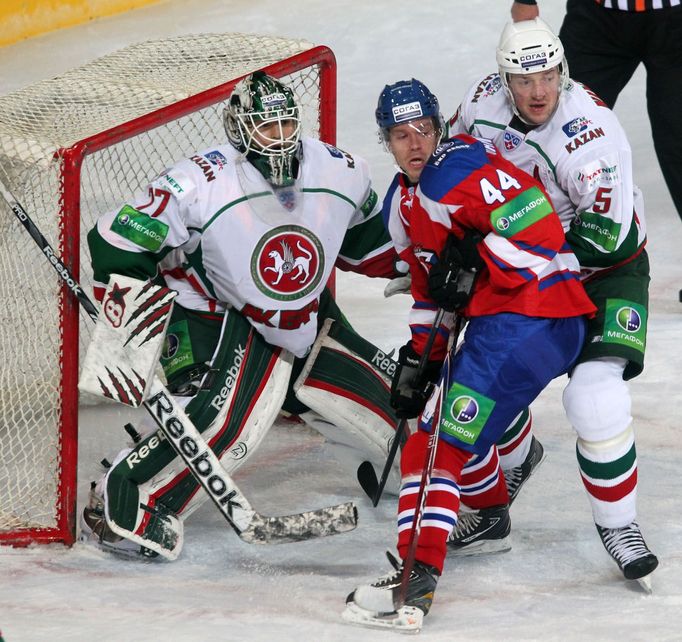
[529,267]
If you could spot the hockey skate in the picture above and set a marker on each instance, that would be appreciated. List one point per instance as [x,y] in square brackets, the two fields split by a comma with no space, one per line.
[481,531]
[96,531]
[516,477]
[374,605]
[628,548]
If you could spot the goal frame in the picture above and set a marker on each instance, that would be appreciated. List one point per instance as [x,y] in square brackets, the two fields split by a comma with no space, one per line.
[72,159]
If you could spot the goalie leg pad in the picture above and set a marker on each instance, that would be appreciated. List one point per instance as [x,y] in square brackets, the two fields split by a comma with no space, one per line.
[238,402]
[346,381]
[137,528]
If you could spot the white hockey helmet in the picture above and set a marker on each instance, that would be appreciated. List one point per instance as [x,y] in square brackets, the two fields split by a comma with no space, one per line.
[257,101]
[527,47]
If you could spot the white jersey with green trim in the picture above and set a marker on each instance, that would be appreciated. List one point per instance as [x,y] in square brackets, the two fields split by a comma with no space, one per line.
[582,157]
[223,237]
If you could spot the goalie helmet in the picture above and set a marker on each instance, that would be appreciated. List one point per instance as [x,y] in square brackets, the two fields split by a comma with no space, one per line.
[404,101]
[527,47]
[262,120]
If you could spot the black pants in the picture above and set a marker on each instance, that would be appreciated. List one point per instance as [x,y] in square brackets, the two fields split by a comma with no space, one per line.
[605,46]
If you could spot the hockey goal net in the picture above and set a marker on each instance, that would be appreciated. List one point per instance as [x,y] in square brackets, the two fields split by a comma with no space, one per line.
[71,148]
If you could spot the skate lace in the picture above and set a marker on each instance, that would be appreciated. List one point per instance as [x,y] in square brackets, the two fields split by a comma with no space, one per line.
[466,524]
[392,577]
[513,477]
[624,544]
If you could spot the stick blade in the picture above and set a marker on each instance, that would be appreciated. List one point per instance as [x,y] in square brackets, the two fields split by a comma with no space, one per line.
[322,522]
[367,478]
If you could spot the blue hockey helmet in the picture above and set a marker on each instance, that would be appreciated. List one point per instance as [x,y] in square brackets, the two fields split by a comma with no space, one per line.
[404,101]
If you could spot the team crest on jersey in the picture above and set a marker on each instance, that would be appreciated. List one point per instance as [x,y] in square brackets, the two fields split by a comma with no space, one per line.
[405,206]
[576,126]
[511,140]
[287,263]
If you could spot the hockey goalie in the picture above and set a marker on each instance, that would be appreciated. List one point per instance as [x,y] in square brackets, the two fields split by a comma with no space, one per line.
[247,235]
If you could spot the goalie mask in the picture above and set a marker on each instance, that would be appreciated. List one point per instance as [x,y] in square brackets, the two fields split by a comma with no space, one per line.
[403,102]
[262,120]
[528,47]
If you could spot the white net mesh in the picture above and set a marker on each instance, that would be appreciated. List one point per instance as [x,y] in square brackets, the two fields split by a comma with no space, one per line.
[144,81]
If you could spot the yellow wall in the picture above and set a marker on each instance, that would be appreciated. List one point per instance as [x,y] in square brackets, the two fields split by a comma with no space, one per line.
[21,19]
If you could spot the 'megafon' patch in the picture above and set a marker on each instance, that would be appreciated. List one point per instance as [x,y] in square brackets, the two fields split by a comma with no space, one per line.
[521,212]
[625,324]
[465,413]
[139,228]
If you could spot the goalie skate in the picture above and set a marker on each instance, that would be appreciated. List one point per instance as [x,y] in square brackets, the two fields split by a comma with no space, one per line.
[95,531]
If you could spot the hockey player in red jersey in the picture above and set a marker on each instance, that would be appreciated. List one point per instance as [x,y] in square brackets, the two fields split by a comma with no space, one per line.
[412,113]
[486,244]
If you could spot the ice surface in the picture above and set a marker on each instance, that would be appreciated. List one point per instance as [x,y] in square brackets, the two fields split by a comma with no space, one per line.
[557,583]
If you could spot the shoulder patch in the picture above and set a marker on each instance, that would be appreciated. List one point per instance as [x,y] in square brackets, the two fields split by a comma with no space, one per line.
[487,87]
[216,158]
[140,228]
[370,203]
[176,182]
[521,212]
[339,153]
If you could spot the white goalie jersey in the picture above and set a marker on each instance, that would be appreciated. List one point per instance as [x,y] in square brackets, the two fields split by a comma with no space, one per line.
[222,237]
[582,157]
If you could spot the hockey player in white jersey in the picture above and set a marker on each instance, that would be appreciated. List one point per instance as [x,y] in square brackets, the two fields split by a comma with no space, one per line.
[248,234]
[565,136]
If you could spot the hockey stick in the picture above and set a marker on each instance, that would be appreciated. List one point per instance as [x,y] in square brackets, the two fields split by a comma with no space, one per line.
[408,561]
[203,464]
[366,474]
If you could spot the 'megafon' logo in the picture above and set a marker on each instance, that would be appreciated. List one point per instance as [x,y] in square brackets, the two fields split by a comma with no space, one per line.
[464,409]
[628,318]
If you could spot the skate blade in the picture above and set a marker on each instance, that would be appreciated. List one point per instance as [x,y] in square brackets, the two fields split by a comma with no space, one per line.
[645,583]
[407,619]
[483,547]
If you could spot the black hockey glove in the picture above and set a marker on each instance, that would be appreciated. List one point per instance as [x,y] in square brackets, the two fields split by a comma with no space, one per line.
[410,390]
[451,280]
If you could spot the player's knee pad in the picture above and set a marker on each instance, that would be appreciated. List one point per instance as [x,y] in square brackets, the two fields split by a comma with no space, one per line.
[610,449]
[347,381]
[597,400]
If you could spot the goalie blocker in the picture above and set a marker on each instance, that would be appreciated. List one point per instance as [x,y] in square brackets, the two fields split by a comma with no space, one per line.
[341,388]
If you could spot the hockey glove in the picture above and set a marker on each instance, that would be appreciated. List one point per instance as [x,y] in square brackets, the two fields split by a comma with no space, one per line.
[451,280]
[411,388]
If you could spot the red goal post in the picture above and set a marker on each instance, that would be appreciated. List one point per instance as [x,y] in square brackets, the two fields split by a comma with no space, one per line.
[71,148]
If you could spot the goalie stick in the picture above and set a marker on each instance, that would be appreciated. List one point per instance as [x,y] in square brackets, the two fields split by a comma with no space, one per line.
[203,464]
[367,477]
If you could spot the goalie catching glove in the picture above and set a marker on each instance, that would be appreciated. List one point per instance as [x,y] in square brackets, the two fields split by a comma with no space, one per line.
[411,385]
[451,280]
